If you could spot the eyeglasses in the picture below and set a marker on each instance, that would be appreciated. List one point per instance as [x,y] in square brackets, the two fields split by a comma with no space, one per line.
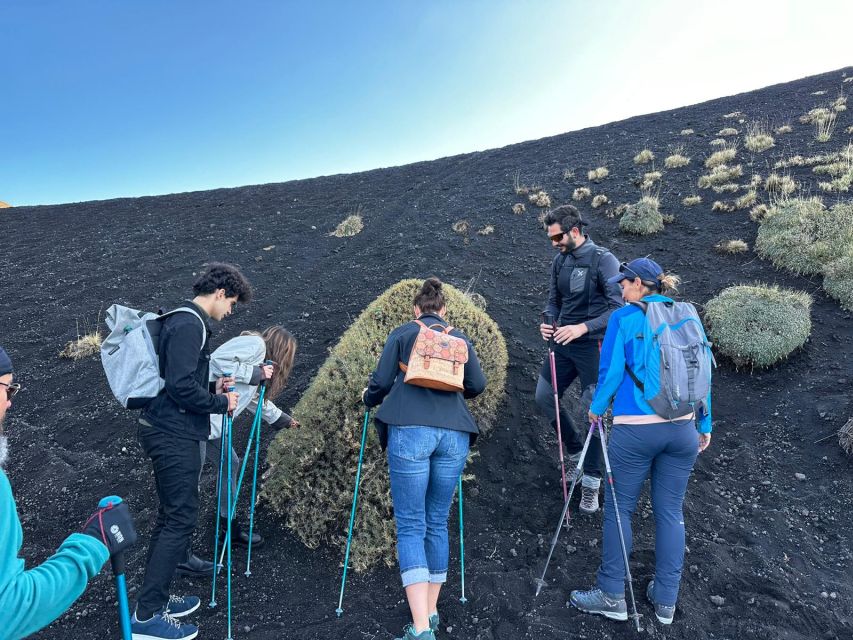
[557,237]
[11,389]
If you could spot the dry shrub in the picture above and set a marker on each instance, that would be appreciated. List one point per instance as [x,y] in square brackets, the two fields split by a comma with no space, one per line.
[520,189]
[845,433]
[785,128]
[461,227]
[486,231]
[727,132]
[581,193]
[815,115]
[848,79]
[849,130]
[822,92]
[719,142]
[616,212]
[350,226]
[732,115]
[642,218]
[755,181]
[310,480]
[731,246]
[687,132]
[803,236]
[793,161]
[759,212]
[779,186]
[598,174]
[840,104]
[650,179]
[825,128]
[730,187]
[84,346]
[518,208]
[723,156]
[568,174]
[758,325]
[726,207]
[644,157]
[689,201]
[721,174]
[758,138]
[599,201]
[746,200]
[540,199]
[676,160]
[838,279]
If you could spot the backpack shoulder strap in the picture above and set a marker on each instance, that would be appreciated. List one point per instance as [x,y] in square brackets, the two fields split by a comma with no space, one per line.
[643,306]
[188,310]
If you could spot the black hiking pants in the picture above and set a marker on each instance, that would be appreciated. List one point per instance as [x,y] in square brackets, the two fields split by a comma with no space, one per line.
[572,360]
[176,463]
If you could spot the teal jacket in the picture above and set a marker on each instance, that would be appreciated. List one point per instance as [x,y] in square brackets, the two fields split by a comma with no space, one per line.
[30,600]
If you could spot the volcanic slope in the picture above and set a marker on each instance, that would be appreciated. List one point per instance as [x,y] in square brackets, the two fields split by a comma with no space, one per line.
[775,549]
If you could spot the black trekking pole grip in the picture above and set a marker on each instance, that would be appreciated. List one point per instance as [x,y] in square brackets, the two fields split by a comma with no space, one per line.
[548,319]
[267,362]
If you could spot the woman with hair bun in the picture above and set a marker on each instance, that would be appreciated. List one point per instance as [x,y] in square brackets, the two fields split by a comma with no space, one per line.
[426,432]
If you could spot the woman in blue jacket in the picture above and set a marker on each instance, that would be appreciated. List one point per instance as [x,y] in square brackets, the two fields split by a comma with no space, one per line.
[427,433]
[641,444]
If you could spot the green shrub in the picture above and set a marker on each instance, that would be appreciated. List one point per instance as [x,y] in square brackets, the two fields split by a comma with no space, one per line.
[312,469]
[758,325]
[838,280]
[803,236]
[642,218]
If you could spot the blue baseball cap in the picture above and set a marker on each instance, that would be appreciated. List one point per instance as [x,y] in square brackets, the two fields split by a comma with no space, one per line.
[5,362]
[645,269]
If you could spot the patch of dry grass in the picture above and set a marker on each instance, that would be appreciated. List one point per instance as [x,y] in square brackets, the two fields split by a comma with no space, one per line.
[815,115]
[599,201]
[677,159]
[729,187]
[733,115]
[540,199]
[568,174]
[719,142]
[687,132]
[758,138]
[727,132]
[726,207]
[598,174]
[84,346]
[780,185]
[581,193]
[746,200]
[690,201]
[486,231]
[793,161]
[723,156]
[519,188]
[518,208]
[759,212]
[644,157]
[731,246]
[840,104]
[719,175]
[824,128]
[785,128]
[350,226]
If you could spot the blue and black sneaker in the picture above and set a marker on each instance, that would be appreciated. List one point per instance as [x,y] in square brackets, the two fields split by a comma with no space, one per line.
[161,626]
[609,605]
[180,606]
[665,613]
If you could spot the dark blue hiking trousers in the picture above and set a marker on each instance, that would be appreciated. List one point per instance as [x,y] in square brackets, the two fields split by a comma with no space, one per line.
[667,451]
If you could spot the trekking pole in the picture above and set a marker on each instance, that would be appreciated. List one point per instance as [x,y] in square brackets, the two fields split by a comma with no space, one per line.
[229,422]
[117,562]
[340,610]
[463,599]
[553,363]
[258,417]
[218,513]
[540,582]
[634,615]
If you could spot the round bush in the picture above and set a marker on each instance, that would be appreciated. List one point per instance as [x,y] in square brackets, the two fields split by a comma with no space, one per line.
[312,469]
[838,281]
[758,325]
[642,218]
[803,236]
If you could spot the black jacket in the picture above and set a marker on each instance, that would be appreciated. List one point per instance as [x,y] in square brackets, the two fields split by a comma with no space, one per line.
[407,404]
[579,292]
[184,405]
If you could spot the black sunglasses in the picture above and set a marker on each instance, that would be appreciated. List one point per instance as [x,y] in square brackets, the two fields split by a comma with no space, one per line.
[11,389]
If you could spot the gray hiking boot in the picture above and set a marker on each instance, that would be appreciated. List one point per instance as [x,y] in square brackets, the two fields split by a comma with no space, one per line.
[409,634]
[665,613]
[589,494]
[609,605]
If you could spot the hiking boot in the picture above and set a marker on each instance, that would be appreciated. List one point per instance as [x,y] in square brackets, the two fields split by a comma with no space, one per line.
[195,567]
[609,605]
[161,626]
[589,494]
[180,606]
[665,613]
[434,621]
[409,634]
[239,538]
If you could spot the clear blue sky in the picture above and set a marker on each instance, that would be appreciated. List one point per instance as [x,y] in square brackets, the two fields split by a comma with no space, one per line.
[108,98]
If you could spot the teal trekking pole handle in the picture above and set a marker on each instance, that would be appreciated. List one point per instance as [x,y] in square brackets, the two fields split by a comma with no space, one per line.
[117,562]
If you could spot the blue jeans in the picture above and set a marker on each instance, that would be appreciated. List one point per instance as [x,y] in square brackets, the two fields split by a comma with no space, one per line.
[424,464]
[667,450]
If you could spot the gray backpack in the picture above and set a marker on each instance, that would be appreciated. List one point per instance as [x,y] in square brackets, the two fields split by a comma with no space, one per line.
[130,353]
[678,359]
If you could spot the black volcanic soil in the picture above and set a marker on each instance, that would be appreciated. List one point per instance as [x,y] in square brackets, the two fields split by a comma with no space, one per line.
[777,549]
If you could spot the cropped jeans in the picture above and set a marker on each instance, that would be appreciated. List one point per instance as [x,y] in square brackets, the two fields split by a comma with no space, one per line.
[424,464]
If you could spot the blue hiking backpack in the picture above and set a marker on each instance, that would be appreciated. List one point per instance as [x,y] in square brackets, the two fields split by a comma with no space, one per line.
[678,359]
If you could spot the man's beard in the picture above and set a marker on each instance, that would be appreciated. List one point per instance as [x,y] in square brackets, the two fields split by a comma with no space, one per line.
[4,451]
[570,246]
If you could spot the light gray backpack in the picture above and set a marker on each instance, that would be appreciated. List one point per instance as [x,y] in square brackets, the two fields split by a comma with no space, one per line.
[130,353]
[678,359]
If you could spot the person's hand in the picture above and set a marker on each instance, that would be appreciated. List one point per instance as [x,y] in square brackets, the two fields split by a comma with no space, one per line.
[112,525]
[593,417]
[233,397]
[704,441]
[267,371]
[564,335]
[294,424]
[222,384]
[547,330]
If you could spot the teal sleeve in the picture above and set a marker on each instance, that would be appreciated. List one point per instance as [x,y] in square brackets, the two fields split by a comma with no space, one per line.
[611,367]
[31,600]
[705,416]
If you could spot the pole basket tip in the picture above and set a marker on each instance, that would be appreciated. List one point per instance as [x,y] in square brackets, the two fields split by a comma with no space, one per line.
[463,599]
[212,604]
[339,611]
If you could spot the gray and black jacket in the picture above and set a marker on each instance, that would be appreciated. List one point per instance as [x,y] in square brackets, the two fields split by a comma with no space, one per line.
[579,292]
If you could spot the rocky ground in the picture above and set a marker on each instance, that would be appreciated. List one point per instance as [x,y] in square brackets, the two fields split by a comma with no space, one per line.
[768,511]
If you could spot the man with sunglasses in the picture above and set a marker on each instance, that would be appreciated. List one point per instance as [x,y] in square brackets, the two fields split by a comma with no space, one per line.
[580,301]
[32,599]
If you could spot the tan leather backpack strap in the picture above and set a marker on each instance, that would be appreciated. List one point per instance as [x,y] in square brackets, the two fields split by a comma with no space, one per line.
[419,323]
[449,328]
